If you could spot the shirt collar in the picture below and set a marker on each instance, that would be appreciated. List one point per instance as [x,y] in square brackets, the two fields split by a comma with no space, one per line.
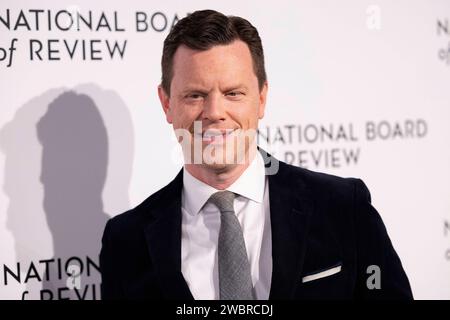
[250,185]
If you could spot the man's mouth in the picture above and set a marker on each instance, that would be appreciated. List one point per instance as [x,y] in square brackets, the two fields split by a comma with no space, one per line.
[215,135]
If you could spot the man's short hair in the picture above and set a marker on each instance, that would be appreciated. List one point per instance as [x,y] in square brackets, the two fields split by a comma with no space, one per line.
[204,29]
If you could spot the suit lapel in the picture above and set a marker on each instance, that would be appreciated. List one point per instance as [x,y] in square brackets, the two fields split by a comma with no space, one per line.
[291,206]
[163,236]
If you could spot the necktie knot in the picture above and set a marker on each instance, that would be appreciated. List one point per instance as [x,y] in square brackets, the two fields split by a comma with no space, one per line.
[223,200]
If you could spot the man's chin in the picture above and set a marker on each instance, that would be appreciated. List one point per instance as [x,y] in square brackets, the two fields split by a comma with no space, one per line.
[220,158]
[219,167]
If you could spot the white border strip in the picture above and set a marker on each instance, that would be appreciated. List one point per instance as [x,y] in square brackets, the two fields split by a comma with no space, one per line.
[322,274]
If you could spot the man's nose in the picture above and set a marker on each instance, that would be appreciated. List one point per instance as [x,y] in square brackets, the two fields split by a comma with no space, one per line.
[214,108]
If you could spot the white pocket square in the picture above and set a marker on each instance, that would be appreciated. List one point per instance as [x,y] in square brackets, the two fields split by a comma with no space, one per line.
[322,274]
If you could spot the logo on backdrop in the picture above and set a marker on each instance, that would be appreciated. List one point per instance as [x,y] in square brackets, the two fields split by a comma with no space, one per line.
[334,145]
[443,32]
[62,29]
[59,278]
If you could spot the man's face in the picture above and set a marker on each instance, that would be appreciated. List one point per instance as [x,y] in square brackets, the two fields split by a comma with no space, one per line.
[219,89]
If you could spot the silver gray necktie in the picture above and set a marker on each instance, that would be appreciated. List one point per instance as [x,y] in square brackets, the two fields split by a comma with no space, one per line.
[235,280]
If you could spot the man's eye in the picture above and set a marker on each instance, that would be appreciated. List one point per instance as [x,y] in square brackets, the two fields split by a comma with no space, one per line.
[234,93]
[194,96]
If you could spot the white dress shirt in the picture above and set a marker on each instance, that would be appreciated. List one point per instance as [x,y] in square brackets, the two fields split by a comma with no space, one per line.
[200,231]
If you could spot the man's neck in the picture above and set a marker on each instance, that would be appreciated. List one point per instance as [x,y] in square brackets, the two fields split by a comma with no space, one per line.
[219,178]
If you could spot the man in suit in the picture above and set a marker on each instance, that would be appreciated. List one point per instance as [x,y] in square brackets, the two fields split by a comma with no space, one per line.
[236,223]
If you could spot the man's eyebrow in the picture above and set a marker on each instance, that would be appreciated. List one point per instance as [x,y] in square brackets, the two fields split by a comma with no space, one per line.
[200,89]
[193,89]
[235,87]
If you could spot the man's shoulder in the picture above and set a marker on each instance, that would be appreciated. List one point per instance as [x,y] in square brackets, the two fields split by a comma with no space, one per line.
[299,178]
[320,183]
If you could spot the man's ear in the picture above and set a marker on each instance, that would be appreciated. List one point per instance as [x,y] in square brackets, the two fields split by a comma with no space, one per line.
[165,103]
[263,99]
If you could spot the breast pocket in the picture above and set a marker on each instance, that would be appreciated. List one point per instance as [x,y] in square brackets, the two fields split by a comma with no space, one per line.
[322,273]
[328,282]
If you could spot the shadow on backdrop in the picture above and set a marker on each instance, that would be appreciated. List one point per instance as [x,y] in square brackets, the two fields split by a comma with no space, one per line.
[81,153]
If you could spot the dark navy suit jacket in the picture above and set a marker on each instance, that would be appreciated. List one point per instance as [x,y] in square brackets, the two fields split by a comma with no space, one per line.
[318,221]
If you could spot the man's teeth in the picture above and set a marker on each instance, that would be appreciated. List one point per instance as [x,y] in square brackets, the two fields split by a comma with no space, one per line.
[212,134]
[209,135]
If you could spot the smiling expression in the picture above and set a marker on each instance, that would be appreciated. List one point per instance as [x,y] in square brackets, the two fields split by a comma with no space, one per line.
[218,89]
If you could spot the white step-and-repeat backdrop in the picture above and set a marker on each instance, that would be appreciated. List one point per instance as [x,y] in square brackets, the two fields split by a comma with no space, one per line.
[356,88]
